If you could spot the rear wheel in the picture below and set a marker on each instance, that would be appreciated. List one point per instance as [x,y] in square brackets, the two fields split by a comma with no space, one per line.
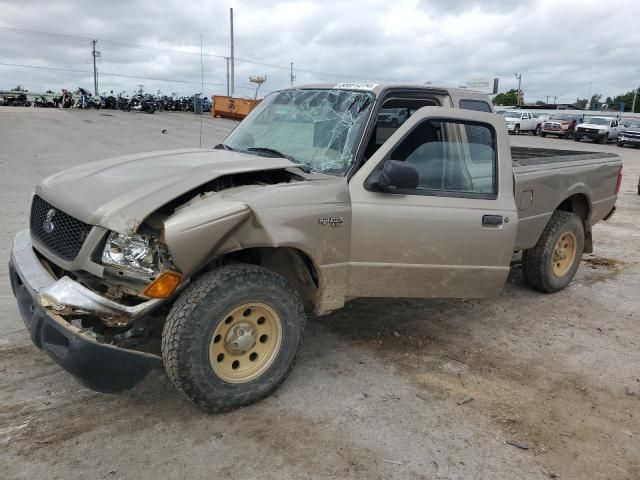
[552,263]
[232,336]
[537,130]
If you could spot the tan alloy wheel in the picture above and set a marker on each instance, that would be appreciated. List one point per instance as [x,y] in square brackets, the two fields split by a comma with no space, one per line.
[245,343]
[564,254]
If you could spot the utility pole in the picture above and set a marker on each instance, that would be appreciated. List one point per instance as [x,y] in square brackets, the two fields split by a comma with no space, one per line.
[633,105]
[291,75]
[519,77]
[227,62]
[232,77]
[95,71]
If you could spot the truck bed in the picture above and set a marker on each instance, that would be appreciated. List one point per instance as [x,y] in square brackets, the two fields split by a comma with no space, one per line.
[525,156]
[545,178]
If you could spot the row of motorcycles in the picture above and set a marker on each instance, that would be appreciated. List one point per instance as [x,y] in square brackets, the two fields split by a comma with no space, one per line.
[140,102]
[85,100]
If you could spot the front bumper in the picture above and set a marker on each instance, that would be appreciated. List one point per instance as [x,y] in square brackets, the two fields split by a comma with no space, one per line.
[99,366]
[555,131]
[629,140]
[590,135]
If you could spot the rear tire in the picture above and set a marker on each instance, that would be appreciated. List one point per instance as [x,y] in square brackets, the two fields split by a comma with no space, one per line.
[537,130]
[218,348]
[552,263]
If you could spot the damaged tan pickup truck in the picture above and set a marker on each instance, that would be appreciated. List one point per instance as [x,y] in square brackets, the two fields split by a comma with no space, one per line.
[208,261]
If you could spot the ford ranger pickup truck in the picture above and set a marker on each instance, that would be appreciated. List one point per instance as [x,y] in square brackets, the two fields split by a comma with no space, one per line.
[207,262]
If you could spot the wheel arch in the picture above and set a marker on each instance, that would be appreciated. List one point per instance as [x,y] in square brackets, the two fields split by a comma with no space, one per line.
[579,204]
[292,263]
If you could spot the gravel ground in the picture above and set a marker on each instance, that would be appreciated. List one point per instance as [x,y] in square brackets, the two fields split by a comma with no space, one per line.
[375,392]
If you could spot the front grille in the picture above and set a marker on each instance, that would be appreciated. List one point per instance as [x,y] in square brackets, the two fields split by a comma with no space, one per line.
[59,232]
[587,130]
[631,134]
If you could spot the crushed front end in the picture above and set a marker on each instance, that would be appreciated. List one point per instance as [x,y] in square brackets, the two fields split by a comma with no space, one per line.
[89,297]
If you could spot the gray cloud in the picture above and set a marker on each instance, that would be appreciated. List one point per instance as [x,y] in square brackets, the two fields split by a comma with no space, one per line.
[565,49]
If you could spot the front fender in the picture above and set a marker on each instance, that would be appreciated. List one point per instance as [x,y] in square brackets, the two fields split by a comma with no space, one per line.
[195,231]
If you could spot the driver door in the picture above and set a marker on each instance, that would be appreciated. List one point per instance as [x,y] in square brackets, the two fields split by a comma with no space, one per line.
[453,235]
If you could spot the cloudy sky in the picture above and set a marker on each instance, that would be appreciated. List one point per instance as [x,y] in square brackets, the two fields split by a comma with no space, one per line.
[566,49]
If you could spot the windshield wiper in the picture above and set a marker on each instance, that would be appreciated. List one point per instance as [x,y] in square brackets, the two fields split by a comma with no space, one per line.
[222,146]
[301,166]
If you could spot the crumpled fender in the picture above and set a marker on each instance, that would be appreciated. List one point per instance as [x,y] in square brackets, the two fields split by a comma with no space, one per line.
[195,231]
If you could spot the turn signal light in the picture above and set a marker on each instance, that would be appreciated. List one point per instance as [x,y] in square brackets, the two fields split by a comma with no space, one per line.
[164,285]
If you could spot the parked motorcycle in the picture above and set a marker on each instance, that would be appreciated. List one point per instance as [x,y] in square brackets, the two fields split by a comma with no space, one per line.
[141,103]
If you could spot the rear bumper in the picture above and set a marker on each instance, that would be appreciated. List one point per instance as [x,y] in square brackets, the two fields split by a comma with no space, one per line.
[99,366]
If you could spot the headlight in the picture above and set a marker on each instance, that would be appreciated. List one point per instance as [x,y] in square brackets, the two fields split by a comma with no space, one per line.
[603,130]
[138,253]
[564,126]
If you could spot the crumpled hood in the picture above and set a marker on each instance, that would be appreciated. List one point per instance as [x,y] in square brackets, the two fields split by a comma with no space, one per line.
[119,193]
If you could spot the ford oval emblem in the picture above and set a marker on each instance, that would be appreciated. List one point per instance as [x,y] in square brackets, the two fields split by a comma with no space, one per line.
[48,225]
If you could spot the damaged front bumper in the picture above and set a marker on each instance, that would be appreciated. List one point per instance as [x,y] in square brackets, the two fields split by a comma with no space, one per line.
[41,300]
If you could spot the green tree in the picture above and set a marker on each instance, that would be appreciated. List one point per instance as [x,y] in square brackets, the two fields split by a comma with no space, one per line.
[595,101]
[506,98]
[582,103]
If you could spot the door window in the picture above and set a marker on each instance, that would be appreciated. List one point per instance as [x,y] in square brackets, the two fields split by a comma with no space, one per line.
[449,161]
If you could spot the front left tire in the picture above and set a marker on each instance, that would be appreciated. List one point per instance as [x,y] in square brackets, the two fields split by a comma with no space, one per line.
[232,336]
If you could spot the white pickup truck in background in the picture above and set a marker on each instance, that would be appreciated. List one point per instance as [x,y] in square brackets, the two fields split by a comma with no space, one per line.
[521,121]
[597,129]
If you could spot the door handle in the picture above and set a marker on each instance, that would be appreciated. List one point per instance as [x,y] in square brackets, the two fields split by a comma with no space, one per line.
[492,220]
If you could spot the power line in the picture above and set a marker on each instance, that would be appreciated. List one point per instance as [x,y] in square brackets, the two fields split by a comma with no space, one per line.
[107,74]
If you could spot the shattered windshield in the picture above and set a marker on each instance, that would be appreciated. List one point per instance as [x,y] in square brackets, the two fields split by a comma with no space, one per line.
[317,128]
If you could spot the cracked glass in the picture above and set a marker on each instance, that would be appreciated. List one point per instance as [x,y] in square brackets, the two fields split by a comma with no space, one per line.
[319,129]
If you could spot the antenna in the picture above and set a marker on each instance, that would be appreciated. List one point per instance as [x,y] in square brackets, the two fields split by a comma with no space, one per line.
[202,88]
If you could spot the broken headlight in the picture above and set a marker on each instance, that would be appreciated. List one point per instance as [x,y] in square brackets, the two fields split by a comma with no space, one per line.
[137,253]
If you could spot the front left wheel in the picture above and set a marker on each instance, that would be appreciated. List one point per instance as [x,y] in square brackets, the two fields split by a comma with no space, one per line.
[232,336]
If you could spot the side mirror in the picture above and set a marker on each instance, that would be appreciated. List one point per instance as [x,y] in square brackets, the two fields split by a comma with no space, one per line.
[395,175]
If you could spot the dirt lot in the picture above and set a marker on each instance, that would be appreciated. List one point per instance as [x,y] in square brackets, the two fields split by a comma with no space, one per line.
[375,393]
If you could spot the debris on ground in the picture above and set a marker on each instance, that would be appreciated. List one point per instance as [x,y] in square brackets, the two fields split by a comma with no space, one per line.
[520,445]
[396,334]
[465,400]
[164,130]
[629,392]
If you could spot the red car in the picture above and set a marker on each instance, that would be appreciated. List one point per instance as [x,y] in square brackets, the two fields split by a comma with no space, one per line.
[561,124]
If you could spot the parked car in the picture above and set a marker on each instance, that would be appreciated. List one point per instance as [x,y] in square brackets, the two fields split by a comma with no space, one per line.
[629,134]
[207,262]
[393,117]
[561,124]
[597,129]
[521,121]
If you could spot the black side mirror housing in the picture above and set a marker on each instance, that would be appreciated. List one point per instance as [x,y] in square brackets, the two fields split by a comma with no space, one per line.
[395,175]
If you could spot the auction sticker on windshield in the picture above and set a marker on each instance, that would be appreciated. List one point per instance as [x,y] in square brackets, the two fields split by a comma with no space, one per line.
[357,86]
